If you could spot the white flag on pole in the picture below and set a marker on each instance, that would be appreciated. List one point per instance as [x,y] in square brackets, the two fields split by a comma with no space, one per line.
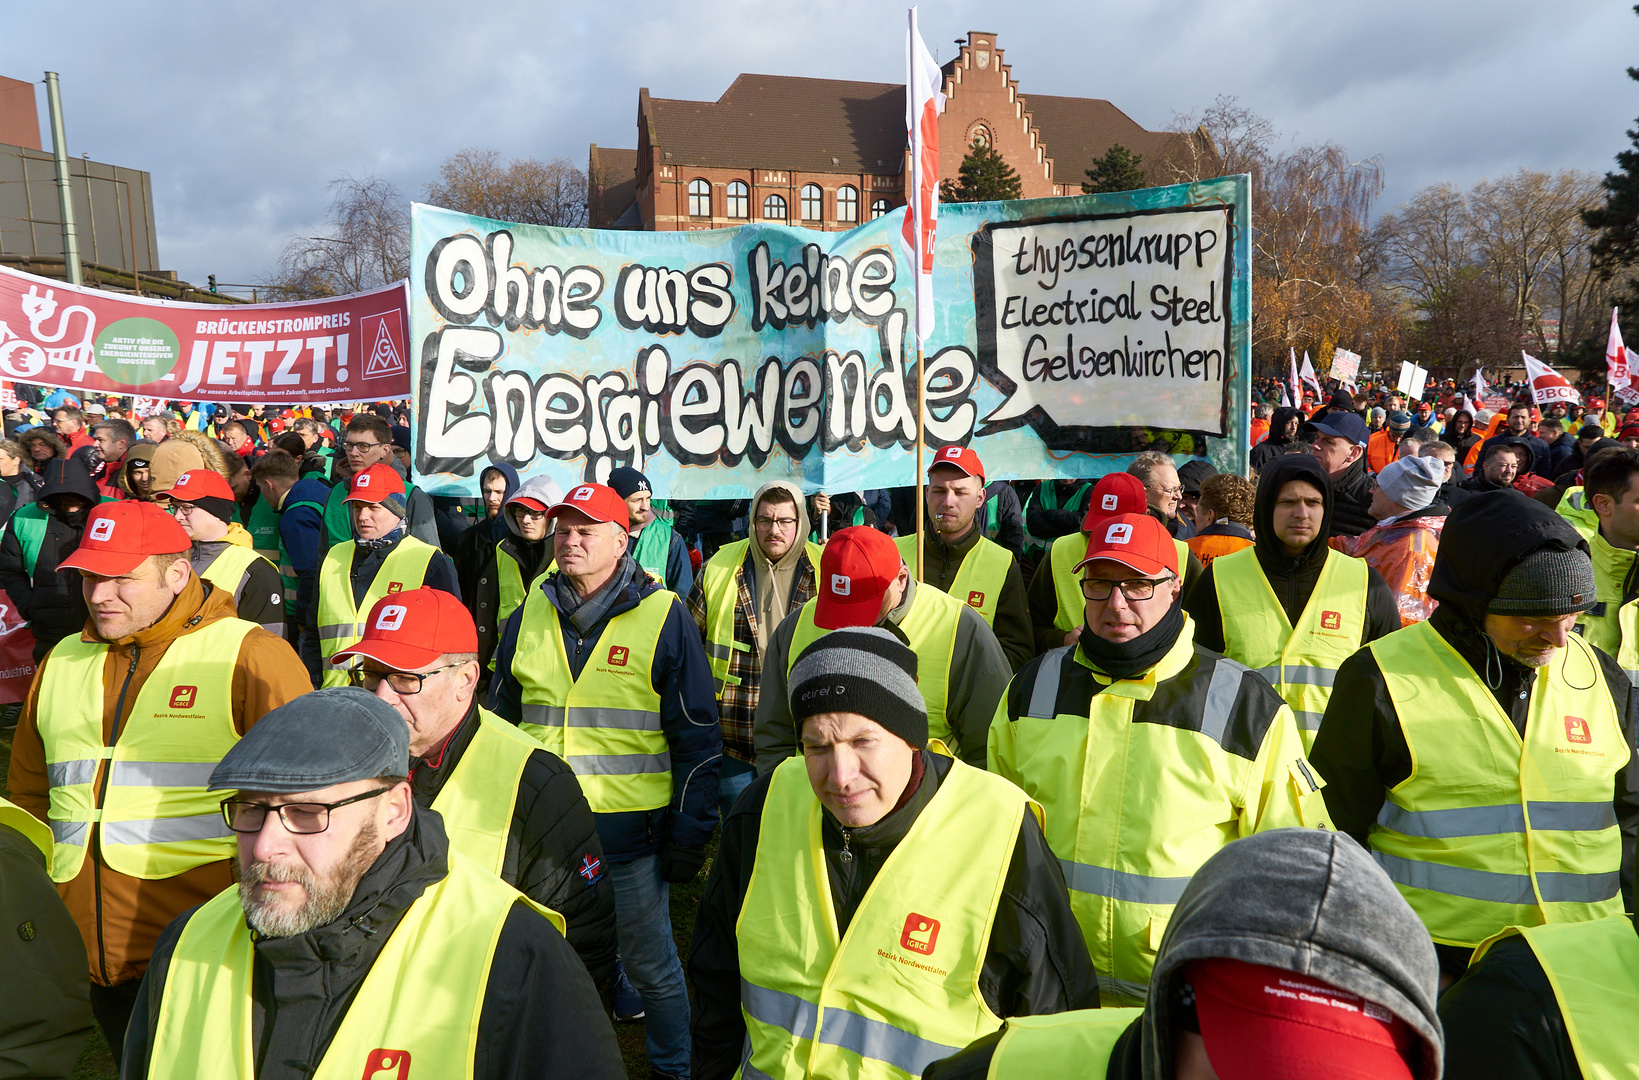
[1548,385]
[1481,389]
[1309,376]
[1616,355]
[1297,383]
[923,103]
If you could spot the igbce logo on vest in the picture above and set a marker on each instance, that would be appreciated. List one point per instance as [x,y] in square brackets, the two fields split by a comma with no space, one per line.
[182,697]
[976,599]
[618,655]
[382,1064]
[1331,620]
[920,935]
[1577,730]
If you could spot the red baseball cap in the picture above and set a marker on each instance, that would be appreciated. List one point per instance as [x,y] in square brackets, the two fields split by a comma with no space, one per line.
[374,484]
[1117,493]
[959,457]
[597,501]
[1267,1023]
[1136,541]
[411,629]
[199,484]
[119,535]
[856,568]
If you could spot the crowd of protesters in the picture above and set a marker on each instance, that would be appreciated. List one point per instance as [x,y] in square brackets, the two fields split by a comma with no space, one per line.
[1322,770]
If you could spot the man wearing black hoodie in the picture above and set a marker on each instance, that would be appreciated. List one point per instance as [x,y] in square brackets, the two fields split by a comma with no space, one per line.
[38,538]
[1283,428]
[1485,755]
[1290,607]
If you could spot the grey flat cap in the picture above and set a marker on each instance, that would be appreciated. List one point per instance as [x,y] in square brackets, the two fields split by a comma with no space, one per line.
[330,736]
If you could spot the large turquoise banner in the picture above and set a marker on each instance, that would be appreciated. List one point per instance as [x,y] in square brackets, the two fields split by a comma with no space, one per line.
[1070,334]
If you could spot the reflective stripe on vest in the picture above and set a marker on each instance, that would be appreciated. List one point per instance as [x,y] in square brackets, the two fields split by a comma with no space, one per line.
[1033,1047]
[157,820]
[606,723]
[419,1003]
[900,988]
[930,627]
[1593,968]
[1491,831]
[1300,661]
[720,589]
[979,580]
[477,800]
[227,571]
[1072,604]
[341,624]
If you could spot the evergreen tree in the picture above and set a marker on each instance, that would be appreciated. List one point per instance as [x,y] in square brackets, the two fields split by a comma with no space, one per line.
[1118,170]
[985,177]
[1617,247]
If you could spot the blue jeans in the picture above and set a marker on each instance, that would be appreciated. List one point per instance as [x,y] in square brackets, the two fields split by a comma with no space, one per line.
[733,777]
[643,927]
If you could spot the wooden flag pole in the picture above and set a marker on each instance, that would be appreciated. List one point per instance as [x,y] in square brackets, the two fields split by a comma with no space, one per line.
[921,407]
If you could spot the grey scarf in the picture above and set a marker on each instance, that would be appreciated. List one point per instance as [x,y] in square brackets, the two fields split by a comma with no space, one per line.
[585,613]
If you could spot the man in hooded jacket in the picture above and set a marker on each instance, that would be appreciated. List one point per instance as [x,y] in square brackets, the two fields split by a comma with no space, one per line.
[1283,428]
[38,538]
[1265,606]
[1287,948]
[1485,755]
[522,553]
[474,550]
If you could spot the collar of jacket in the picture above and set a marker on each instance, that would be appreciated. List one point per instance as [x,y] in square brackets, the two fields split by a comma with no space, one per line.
[428,774]
[1142,687]
[1611,567]
[958,547]
[1225,528]
[197,604]
[884,835]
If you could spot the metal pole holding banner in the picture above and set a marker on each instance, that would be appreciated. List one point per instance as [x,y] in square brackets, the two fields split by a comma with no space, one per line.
[825,526]
[65,188]
[921,416]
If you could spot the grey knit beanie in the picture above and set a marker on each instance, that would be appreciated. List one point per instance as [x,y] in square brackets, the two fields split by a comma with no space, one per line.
[865,670]
[1412,482]
[1548,581]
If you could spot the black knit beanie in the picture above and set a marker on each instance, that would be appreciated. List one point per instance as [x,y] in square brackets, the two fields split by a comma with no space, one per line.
[864,670]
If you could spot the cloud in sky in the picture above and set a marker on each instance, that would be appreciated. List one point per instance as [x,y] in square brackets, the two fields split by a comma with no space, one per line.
[244,113]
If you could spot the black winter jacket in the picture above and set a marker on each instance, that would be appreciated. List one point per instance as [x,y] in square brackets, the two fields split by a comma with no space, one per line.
[1501,1019]
[51,600]
[540,1017]
[553,855]
[1036,962]
[1351,512]
[1274,444]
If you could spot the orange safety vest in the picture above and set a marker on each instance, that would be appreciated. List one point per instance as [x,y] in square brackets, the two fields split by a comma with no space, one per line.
[1381,450]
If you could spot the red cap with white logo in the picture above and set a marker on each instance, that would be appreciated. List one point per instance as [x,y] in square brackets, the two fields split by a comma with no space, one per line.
[1117,493]
[856,568]
[959,457]
[597,501]
[1136,541]
[374,484]
[199,484]
[120,535]
[409,630]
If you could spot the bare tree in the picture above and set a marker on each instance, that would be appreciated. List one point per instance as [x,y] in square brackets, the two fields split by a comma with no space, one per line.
[1224,139]
[476,182]
[365,244]
[1426,243]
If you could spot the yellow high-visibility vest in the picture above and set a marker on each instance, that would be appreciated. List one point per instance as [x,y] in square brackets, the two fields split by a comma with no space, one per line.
[1065,553]
[720,588]
[1299,661]
[1611,625]
[154,817]
[227,570]
[1036,1046]
[901,987]
[1576,508]
[606,723]
[1490,830]
[477,800]
[419,1003]
[978,582]
[33,829]
[341,622]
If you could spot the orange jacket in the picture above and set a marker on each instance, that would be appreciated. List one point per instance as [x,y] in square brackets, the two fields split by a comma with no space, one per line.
[1381,450]
[1403,552]
[1210,546]
[119,916]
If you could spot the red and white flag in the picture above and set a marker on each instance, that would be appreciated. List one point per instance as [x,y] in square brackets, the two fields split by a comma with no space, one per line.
[1481,389]
[923,103]
[1548,385]
[1297,383]
[1616,355]
[1309,376]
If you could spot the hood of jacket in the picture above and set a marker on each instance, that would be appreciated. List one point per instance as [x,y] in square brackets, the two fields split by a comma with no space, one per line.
[1310,902]
[1277,424]
[804,525]
[1484,537]
[1272,554]
[1462,422]
[61,476]
[543,489]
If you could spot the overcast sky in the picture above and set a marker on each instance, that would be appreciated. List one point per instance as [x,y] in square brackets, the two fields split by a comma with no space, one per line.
[244,112]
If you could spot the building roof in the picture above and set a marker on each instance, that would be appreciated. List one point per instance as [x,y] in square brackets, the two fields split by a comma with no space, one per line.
[611,184]
[1079,131]
[787,122]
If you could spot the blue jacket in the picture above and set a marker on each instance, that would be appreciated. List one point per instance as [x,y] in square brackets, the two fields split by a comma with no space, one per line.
[302,535]
[688,716]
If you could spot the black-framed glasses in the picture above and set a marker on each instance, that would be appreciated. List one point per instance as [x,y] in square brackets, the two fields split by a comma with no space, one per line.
[353,445]
[774,523]
[402,683]
[1132,588]
[303,818]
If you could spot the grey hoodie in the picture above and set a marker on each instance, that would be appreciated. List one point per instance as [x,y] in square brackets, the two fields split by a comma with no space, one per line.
[773,583]
[1313,903]
[543,489]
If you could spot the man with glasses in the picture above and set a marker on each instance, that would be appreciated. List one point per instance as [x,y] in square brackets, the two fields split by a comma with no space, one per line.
[1163,490]
[1147,752]
[359,940]
[202,504]
[121,729]
[69,421]
[502,572]
[741,595]
[369,441]
[508,803]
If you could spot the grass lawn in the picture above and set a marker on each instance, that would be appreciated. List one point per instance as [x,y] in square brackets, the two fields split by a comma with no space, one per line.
[97,1064]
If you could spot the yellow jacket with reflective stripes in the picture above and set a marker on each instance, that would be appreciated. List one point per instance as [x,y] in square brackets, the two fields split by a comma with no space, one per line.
[978,582]
[1593,968]
[1575,507]
[153,815]
[1300,661]
[1066,552]
[1612,626]
[606,723]
[477,800]
[419,1003]
[1144,779]
[341,623]
[1034,1047]
[1491,830]
[901,987]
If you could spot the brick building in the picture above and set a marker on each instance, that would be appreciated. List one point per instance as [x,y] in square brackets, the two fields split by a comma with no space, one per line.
[829,154]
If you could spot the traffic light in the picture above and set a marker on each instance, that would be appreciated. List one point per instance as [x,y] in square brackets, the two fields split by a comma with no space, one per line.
[213,282]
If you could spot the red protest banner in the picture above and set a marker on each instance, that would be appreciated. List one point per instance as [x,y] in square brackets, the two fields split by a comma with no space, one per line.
[346,348]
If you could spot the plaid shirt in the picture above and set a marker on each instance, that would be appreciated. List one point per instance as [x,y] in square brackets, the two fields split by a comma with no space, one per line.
[737,707]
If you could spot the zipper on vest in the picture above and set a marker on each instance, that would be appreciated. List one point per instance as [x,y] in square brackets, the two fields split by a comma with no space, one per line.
[845,855]
[94,843]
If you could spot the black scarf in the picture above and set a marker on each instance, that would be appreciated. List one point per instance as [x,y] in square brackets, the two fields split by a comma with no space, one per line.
[1129,659]
[584,613]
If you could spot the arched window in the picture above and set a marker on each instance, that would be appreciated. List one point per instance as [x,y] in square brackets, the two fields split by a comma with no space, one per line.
[699,198]
[847,204]
[774,208]
[879,207]
[739,199]
[813,203]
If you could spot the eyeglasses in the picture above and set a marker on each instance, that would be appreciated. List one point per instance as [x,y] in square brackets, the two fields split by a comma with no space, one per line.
[354,446]
[303,818]
[1176,490]
[402,683]
[774,523]
[1132,588]
[526,512]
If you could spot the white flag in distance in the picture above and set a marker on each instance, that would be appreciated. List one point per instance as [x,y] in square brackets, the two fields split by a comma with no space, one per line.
[1310,377]
[923,103]
[1548,385]
[1616,355]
